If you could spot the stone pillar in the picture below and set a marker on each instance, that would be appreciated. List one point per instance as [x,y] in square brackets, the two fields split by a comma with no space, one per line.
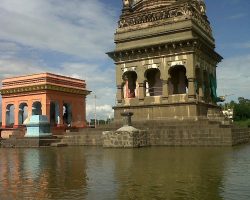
[4,111]
[60,119]
[119,94]
[165,89]
[16,114]
[127,121]
[191,88]
[30,108]
[141,91]
[46,109]
[201,92]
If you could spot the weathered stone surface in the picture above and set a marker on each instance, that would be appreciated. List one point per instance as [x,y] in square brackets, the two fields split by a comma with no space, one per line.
[125,137]
[169,133]
[14,142]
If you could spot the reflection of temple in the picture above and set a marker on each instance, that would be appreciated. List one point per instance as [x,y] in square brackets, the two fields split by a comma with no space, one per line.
[61,98]
[165,60]
[42,174]
[170,173]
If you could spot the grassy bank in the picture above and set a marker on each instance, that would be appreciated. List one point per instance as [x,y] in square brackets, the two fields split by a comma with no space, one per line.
[242,123]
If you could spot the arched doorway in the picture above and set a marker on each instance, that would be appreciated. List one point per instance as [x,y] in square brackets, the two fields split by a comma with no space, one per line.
[198,82]
[10,108]
[178,82]
[23,113]
[130,84]
[153,83]
[54,113]
[67,114]
[37,108]
[206,87]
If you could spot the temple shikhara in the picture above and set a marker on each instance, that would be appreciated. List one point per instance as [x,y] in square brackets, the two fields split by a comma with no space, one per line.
[165,60]
[60,98]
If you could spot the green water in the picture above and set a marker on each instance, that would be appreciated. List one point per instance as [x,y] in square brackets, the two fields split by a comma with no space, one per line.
[147,173]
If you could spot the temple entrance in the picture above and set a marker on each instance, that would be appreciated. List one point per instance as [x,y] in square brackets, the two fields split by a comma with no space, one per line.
[10,115]
[154,82]
[37,108]
[67,114]
[129,86]
[23,113]
[178,82]
[54,114]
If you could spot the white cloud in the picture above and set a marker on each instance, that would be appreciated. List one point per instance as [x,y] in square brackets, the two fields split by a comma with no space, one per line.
[102,111]
[245,45]
[234,77]
[82,28]
[238,16]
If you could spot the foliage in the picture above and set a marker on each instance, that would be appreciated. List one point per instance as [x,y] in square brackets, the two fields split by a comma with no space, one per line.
[241,111]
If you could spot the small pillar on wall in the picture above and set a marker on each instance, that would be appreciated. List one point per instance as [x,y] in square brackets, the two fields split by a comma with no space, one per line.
[164,90]
[191,88]
[141,91]
[119,94]
[16,116]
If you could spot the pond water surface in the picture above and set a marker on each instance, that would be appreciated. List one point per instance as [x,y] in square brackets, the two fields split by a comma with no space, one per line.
[146,173]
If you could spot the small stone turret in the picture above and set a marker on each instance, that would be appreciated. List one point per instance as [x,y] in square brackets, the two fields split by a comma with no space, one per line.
[127,136]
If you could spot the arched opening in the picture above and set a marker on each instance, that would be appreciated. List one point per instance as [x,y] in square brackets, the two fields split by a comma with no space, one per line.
[154,82]
[54,113]
[198,82]
[23,113]
[37,108]
[67,114]
[178,82]
[206,87]
[10,115]
[213,88]
[130,84]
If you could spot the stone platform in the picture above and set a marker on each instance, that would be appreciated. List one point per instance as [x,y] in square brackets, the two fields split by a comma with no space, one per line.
[171,133]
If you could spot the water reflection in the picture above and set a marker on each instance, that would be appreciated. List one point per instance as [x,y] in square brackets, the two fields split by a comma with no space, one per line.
[42,173]
[169,173]
[149,173]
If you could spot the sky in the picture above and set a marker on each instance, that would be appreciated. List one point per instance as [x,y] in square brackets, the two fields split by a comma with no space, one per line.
[72,37]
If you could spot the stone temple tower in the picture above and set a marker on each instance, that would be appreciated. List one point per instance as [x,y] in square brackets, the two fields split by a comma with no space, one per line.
[165,60]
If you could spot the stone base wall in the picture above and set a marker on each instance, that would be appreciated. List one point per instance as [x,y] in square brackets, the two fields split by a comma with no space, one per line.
[240,136]
[186,133]
[125,139]
[14,142]
[180,136]
[7,133]
[86,137]
[183,110]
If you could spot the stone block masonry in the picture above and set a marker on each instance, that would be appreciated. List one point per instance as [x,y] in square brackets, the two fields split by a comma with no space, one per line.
[128,137]
[168,134]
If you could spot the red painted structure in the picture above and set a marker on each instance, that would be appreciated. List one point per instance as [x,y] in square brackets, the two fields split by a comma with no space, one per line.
[61,98]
